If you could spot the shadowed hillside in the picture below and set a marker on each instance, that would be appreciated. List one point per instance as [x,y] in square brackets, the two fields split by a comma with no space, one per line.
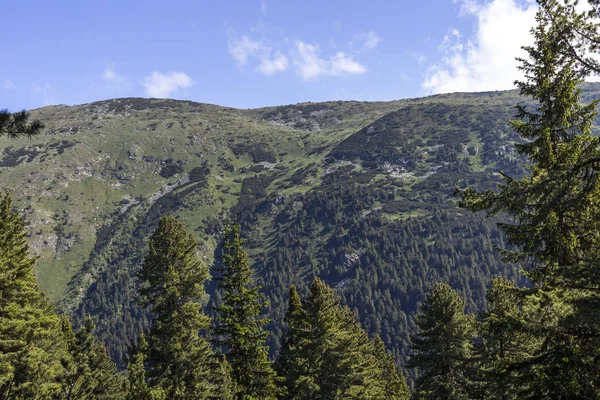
[360,194]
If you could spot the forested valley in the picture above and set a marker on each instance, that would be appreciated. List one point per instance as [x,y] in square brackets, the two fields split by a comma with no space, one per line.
[420,260]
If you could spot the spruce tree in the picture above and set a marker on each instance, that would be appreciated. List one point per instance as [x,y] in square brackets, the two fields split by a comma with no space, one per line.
[442,349]
[554,206]
[292,364]
[554,211]
[504,342]
[180,361]
[31,344]
[227,388]
[239,328]
[327,355]
[90,374]
[395,384]
[137,388]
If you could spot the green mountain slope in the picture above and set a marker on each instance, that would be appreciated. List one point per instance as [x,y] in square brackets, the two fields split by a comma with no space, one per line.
[361,194]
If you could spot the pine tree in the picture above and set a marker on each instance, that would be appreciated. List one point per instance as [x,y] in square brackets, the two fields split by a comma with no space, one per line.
[554,207]
[90,374]
[327,355]
[31,343]
[239,329]
[442,349]
[504,342]
[138,388]
[395,384]
[291,363]
[17,124]
[579,30]
[227,388]
[180,361]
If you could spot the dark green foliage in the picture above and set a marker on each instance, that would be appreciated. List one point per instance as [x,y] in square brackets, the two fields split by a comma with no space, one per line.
[546,344]
[525,353]
[395,387]
[31,344]
[180,362]
[12,157]
[327,355]
[291,362]
[137,388]
[89,374]
[502,345]
[260,152]
[443,347]
[379,259]
[239,329]
[379,266]
[170,168]
[115,286]
[17,124]
[554,205]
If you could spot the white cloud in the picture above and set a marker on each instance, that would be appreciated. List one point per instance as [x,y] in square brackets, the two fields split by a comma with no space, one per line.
[9,85]
[486,61]
[111,75]
[311,65]
[365,41]
[342,64]
[263,7]
[45,92]
[163,85]
[113,80]
[269,66]
[244,48]
[269,60]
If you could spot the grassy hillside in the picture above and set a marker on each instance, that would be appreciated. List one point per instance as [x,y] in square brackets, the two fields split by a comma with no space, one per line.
[361,194]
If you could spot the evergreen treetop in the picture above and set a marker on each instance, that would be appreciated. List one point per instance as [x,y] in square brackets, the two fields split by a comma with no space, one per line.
[31,344]
[327,355]
[239,328]
[178,361]
[443,347]
[554,207]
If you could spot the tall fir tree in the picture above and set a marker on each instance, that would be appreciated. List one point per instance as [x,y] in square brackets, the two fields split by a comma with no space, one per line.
[239,329]
[504,343]
[554,207]
[137,387]
[292,364]
[554,210]
[32,348]
[180,361]
[394,383]
[327,355]
[90,374]
[442,349]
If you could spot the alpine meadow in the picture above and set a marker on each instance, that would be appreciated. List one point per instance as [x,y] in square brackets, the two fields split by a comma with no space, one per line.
[441,247]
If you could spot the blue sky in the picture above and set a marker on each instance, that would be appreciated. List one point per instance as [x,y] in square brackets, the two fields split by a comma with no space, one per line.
[251,53]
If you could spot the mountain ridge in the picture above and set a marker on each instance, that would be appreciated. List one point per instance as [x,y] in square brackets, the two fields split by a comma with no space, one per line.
[358,193]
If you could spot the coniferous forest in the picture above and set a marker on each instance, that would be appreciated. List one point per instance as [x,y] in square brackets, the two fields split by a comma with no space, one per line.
[213,332]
